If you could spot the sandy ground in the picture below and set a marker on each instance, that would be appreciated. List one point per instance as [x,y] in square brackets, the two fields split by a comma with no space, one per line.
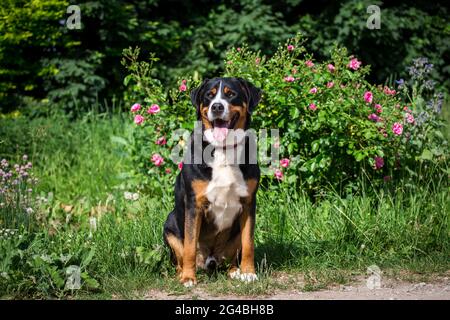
[389,289]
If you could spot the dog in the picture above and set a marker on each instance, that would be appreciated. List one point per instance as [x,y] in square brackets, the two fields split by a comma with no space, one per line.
[213,221]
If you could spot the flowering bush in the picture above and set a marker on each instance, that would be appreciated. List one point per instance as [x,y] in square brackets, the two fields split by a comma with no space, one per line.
[333,124]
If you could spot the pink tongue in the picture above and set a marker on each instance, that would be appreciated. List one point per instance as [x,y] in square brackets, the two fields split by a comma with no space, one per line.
[220,134]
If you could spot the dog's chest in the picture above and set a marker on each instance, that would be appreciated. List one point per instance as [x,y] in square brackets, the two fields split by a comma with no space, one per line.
[224,191]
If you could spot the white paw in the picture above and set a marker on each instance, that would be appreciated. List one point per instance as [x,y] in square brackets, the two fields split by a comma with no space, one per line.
[235,274]
[189,284]
[248,277]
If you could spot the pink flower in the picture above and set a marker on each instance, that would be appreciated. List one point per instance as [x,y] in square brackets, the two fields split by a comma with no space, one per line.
[289,79]
[138,119]
[313,90]
[154,109]
[330,84]
[278,174]
[409,118]
[379,163]
[378,108]
[290,47]
[294,70]
[386,90]
[387,178]
[229,62]
[284,162]
[374,117]
[354,64]
[312,107]
[183,87]
[368,97]
[135,107]
[330,67]
[405,108]
[238,49]
[180,165]
[161,141]
[257,60]
[168,170]
[157,160]
[309,63]
[183,81]
[397,128]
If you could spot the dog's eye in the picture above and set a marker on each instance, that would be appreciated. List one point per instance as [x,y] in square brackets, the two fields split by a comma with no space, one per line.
[230,94]
[210,95]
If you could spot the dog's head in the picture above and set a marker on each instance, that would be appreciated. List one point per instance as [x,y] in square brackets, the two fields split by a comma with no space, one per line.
[225,103]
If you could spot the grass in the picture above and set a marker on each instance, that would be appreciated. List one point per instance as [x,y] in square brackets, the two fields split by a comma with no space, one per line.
[85,168]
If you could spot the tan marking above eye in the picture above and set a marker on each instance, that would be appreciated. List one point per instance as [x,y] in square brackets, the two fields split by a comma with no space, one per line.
[212,92]
[228,92]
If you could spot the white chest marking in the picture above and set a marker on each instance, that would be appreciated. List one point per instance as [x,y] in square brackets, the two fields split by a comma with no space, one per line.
[224,191]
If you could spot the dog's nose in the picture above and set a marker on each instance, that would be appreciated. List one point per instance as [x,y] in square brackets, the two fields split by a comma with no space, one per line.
[217,108]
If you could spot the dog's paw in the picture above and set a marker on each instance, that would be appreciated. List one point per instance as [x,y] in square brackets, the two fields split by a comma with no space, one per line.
[248,277]
[189,284]
[235,274]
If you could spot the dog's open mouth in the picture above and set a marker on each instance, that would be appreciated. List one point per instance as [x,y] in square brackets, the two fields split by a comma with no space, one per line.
[221,127]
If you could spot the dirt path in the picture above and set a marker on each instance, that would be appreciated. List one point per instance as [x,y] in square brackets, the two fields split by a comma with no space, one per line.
[389,289]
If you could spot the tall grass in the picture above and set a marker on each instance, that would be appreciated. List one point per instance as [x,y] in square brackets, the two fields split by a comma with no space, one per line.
[86,165]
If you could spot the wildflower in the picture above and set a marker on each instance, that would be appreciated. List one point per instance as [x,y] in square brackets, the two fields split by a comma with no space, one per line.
[161,141]
[330,67]
[397,128]
[229,62]
[387,178]
[330,84]
[135,107]
[388,91]
[368,96]
[168,170]
[238,49]
[313,90]
[29,210]
[354,64]
[25,157]
[183,87]
[289,79]
[138,119]
[409,118]
[378,108]
[257,60]
[290,47]
[180,165]
[312,107]
[154,109]
[128,195]
[379,163]
[135,196]
[284,162]
[278,174]
[294,70]
[309,63]
[374,117]
[157,160]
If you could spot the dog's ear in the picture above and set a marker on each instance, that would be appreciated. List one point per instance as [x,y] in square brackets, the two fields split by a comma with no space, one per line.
[197,94]
[253,94]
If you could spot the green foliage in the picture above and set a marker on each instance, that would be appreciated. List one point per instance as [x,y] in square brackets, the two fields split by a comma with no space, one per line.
[333,124]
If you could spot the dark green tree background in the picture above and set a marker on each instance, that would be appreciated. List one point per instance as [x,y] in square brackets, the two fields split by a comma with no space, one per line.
[45,65]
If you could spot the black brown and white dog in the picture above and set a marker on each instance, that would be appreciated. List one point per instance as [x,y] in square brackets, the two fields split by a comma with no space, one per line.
[213,221]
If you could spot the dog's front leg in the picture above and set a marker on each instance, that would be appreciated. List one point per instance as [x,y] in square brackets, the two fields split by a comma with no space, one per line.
[192,224]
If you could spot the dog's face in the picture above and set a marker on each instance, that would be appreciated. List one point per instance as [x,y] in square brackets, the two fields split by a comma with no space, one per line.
[225,103]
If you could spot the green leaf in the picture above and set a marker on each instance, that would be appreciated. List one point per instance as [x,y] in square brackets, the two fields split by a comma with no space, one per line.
[426,155]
